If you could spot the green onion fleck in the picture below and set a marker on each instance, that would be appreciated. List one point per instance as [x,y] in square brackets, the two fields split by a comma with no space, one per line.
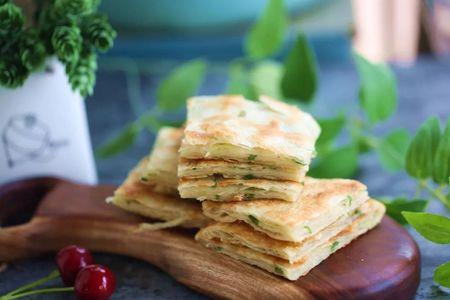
[217,197]
[253,219]
[249,196]
[252,157]
[347,201]
[299,162]
[144,179]
[308,229]
[334,246]
[357,212]
[278,270]
[248,177]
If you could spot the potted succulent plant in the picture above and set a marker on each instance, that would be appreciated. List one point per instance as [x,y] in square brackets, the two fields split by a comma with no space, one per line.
[47,66]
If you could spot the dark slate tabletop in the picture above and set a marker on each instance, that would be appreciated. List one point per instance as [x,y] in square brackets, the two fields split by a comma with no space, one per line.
[424,90]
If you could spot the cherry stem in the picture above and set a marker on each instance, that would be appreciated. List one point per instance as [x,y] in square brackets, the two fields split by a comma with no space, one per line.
[31,285]
[34,292]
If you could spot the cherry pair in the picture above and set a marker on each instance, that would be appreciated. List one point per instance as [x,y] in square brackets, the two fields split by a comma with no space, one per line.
[91,282]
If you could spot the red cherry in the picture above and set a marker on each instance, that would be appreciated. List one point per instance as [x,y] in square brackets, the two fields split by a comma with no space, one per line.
[95,282]
[70,261]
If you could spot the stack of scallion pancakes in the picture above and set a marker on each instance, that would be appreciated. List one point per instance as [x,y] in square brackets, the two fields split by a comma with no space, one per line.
[246,161]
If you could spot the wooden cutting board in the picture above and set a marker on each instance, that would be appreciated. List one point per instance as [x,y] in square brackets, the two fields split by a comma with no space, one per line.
[382,264]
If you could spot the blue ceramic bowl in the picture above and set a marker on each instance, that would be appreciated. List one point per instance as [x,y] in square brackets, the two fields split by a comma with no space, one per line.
[189,16]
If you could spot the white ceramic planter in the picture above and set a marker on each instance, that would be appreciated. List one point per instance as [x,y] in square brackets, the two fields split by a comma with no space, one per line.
[44,131]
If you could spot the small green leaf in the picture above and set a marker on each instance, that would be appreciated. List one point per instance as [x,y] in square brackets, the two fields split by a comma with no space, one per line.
[299,80]
[120,142]
[433,227]
[339,163]
[442,274]
[422,149]
[267,34]
[392,150]
[395,207]
[330,129]
[441,166]
[265,77]
[239,83]
[180,84]
[378,92]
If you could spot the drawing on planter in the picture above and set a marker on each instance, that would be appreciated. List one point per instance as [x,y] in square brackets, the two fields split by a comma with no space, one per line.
[26,138]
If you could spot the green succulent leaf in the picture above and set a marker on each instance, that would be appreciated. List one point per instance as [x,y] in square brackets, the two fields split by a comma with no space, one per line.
[11,19]
[98,31]
[67,43]
[392,150]
[433,227]
[330,130]
[180,84]
[395,207]
[378,92]
[265,78]
[441,164]
[239,83]
[421,151]
[339,163]
[442,274]
[119,143]
[12,74]
[81,74]
[300,80]
[266,36]
[32,50]
[73,7]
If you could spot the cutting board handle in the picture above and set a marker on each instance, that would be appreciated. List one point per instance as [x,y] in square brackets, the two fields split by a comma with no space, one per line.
[19,199]
[18,202]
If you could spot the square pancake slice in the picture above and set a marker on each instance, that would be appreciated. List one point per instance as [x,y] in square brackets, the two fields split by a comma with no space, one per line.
[321,203]
[265,132]
[161,169]
[217,188]
[242,234]
[303,265]
[141,199]
[201,168]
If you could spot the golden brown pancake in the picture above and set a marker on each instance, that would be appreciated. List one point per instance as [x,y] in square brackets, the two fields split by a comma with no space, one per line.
[321,203]
[266,132]
[161,168]
[303,265]
[201,168]
[141,199]
[240,233]
[226,189]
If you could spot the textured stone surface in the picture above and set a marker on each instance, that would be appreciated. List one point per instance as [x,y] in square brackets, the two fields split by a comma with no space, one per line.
[424,90]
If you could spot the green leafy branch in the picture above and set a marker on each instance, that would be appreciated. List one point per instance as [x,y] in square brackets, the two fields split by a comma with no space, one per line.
[69,29]
[171,95]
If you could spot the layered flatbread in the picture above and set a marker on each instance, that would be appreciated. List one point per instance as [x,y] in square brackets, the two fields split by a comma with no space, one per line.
[221,189]
[201,168]
[141,199]
[240,233]
[161,168]
[265,132]
[321,203]
[303,265]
